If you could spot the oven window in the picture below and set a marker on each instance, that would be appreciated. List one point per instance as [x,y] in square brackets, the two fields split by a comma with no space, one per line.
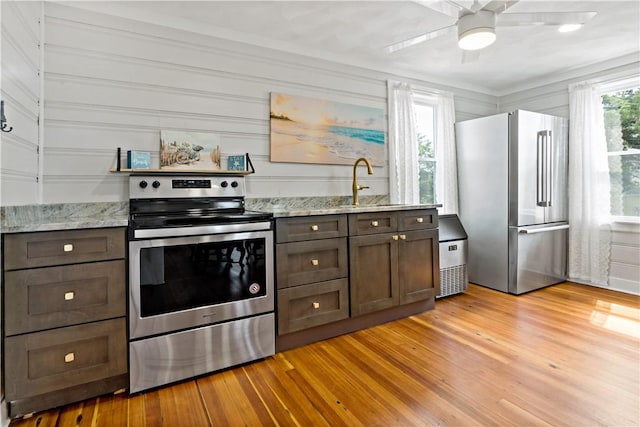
[175,278]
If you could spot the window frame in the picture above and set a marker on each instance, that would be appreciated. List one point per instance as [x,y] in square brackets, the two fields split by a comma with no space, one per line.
[608,89]
[426,100]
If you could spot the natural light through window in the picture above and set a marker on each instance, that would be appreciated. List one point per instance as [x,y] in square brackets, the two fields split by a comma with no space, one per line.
[618,318]
[622,127]
[425,114]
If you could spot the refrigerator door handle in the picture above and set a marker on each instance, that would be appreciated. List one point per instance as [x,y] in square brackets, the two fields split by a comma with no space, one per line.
[539,170]
[549,160]
[543,178]
[523,230]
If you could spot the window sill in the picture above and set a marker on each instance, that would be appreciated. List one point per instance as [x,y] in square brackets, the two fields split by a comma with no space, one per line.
[625,220]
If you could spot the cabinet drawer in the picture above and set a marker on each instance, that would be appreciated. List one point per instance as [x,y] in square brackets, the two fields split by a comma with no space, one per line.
[417,219]
[372,223]
[50,297]
[302,307]
[27,250]
[53,360]
[310,228]
[312,261]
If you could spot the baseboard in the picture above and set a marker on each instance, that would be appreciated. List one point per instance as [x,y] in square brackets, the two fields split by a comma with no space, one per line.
[623,285]
[615,284]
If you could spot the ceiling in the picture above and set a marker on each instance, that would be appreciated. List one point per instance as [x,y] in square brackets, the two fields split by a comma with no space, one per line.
[356,32]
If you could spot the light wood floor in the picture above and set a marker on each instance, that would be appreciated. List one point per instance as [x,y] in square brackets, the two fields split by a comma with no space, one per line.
[567,355]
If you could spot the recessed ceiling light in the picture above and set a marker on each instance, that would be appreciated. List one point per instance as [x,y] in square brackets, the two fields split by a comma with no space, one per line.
[567,28]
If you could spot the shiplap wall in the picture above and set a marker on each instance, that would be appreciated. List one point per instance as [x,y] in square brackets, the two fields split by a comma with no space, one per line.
[111,82]
[624,269]
[19,167]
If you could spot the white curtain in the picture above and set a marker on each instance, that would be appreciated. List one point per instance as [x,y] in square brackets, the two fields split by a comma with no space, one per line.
[446,163]
[589,197]
[403,145]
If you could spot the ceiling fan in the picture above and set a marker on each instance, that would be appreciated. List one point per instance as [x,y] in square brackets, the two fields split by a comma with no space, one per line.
[476,21]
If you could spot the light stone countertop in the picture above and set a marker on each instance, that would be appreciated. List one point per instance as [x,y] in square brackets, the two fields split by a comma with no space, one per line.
[68,216]
[279,212]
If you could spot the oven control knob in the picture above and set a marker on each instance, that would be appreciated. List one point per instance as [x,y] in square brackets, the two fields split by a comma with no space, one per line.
[156,184]
[234,184]
[224,184]
[143,184]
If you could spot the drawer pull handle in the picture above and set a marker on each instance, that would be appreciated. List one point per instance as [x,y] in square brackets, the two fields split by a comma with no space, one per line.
[316,305]
[68,296]
[68,247]
[394,237]
[403,237]
[374,223]
[314,228]
[69,357]
[420,220]
[314,262]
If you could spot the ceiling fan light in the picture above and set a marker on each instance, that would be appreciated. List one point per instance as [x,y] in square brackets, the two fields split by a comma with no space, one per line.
[567,28]
[477,39]
[476,30]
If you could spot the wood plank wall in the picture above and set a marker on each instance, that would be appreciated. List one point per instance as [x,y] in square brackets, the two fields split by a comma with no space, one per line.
[20,91]
[113,82]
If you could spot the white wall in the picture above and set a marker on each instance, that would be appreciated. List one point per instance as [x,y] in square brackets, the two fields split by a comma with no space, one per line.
[111,82]
[20,93]
[553,98]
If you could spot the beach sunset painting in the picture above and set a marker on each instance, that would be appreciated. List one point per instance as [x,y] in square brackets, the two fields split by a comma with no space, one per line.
[307,130]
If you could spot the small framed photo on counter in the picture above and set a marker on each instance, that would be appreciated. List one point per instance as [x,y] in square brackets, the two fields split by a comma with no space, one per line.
[237,162]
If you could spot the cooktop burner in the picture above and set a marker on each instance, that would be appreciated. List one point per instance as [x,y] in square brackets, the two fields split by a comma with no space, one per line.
[184,201]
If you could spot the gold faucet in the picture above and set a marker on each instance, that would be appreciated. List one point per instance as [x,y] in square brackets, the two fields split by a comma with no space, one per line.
[356,186]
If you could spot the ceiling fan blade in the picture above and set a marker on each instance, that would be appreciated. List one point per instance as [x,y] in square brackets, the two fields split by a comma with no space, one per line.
[469,56]
[499,6]
[445,7]
[421,38]
[543,18]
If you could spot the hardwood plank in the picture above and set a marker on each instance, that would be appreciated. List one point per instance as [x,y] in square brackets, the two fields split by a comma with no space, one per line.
[246,407]
[41,419]
[568,354]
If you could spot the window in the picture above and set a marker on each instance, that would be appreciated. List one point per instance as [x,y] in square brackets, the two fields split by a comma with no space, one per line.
[425,118]
[621,107]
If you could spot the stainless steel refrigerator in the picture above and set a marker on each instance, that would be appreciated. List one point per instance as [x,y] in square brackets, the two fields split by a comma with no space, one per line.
[512,176]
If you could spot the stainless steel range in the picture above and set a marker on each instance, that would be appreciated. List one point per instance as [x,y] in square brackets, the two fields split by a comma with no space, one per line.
[201,286]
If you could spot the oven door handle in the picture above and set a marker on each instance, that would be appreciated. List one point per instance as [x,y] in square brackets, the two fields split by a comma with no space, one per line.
[200,230]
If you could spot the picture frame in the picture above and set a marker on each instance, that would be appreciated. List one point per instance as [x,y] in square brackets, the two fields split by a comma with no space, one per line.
[138,159]
[321,131]
[237,162]
[189,151]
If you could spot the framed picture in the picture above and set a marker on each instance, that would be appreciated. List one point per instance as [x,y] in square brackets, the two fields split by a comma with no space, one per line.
[184,151]
[237,162]
[307,130]
[138,159]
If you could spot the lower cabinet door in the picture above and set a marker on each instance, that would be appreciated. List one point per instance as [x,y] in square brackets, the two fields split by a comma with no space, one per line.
[56,359]
[303,307]
[373,269]
[418,266]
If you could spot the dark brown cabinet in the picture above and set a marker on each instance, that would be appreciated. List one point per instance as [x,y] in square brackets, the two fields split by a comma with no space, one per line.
[393,271]
[65,327]
[311,271]
[393,259]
